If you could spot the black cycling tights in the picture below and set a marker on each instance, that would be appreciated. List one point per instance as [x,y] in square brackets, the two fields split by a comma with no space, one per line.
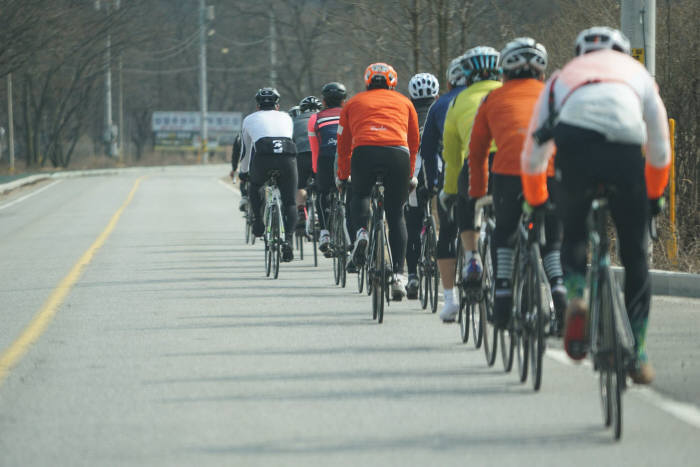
[287,183]
[585,160]
[394,163]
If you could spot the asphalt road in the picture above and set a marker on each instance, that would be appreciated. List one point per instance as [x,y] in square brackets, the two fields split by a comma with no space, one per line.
[170,347]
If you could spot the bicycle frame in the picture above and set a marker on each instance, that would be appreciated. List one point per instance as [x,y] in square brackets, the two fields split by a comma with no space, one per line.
[598,272]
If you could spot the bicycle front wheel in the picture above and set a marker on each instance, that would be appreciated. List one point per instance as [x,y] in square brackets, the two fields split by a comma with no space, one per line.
[537,336]
[379,279]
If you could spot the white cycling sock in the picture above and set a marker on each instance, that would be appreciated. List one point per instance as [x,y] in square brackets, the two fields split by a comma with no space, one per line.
[468,255]
[449,295]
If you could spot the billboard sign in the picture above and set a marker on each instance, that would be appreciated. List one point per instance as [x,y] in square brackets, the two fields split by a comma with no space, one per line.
[180,130]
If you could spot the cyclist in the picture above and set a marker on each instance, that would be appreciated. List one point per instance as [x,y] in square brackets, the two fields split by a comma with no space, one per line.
[235,159]
[480,65]
[503,117]
[423,88]
[268,145]
[604,147]
[379,130]
[323,138]
[307,107]
[431,155]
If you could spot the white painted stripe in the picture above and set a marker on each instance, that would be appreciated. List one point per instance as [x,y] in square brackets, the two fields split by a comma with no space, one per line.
[683,411]
[228,186]
[22,198]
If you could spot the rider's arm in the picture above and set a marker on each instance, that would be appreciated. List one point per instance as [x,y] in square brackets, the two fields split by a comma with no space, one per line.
[451,152]
[413,136]
[478,158]
[535,157]
[429,148]
[344,144]
[657,148]
[313,141]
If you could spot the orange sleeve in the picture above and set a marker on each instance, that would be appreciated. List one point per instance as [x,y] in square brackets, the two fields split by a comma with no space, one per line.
[344,147]
[413,136]
[657,178]
[479,144]
[535,188]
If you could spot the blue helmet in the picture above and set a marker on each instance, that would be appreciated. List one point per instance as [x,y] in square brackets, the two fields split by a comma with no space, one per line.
[480,63]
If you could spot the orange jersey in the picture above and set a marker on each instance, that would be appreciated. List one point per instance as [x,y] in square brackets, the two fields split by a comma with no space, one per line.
[503,116]
[379,117]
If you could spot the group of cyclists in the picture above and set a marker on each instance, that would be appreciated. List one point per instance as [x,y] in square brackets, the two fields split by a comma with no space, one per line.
[495,131]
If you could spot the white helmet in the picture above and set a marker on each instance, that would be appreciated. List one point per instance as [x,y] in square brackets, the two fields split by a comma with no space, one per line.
[423,85]
[455,74]
[523,54]
[601,37]
[480,63]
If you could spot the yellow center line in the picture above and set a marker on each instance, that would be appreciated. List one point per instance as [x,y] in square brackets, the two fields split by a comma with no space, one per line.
[14,353]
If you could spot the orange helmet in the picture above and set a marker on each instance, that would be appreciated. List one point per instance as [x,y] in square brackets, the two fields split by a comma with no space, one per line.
[378,72]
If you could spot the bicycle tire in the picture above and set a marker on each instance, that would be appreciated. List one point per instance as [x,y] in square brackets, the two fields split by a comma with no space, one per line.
[314,229]
[422,284]
[276,241]
[464,315]
[475,319]
[522,301]
[381,278]
[360,278]
[507,342]
[537,337]
[614,373]
[300,245]
[268,259]
[433,269]
[490,332]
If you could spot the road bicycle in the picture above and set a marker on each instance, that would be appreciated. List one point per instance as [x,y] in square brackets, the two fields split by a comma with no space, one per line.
[428,272]
[533,317]
[310,230]
[475,303]
[610,334]
[274,224]
[340,238]
[378,261]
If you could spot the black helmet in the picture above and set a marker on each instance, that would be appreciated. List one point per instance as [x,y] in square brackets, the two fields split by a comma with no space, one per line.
[309,104]
[267,97]
[334,92]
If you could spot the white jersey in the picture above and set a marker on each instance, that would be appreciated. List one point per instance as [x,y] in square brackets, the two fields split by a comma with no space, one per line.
[261,124]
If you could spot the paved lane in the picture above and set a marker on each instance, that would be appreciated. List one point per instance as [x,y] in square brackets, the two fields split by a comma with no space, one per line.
[174,349]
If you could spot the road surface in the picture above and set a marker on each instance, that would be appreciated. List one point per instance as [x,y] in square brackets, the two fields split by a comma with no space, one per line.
[138,329]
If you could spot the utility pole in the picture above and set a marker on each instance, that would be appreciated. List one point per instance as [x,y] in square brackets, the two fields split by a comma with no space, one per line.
[273,50]
[110,131]
[10,123]
[638,20]
[203,81]
[121,110]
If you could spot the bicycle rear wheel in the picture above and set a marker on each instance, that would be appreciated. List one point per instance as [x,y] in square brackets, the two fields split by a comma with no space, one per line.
[268,258]
[537,338]
[276,241]
[314,227]
[522,299]
[379,279]
[612,369]
[433,271]
[422,273]
[507,348]
[477,329]
[300,244]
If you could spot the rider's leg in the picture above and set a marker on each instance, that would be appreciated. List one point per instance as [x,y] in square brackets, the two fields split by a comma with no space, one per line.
[551,254]
[630,212]
[507,206]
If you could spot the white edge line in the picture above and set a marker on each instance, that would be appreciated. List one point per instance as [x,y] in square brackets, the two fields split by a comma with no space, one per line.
[686,412]
[27,196]
[228,186]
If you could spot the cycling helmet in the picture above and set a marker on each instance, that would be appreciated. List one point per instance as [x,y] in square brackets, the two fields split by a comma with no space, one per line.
[523,57]
[480,63]
[267,97]
[334,92]
[601,37]
[380,75]
[294,111]
[310,104]
[423,85]
[455,73]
